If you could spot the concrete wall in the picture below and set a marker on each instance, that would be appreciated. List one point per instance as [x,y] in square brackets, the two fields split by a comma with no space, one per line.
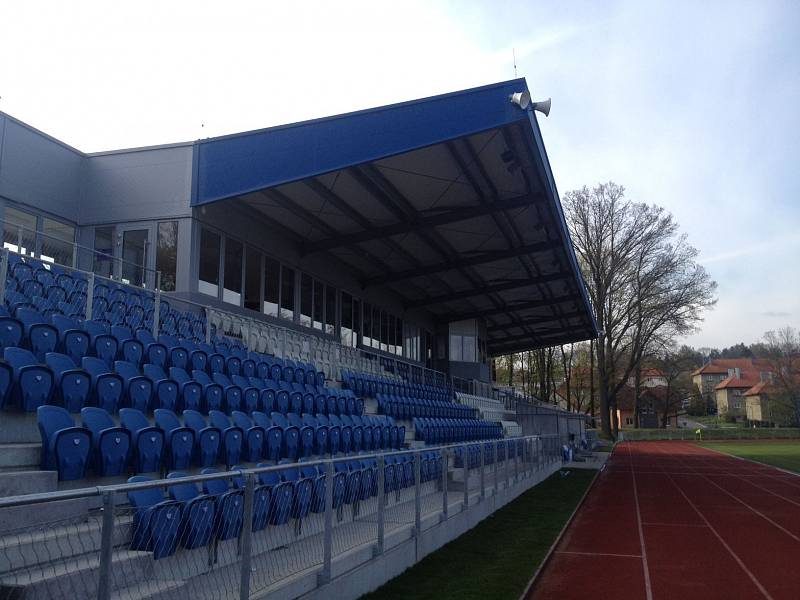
[150,183]
[38,170]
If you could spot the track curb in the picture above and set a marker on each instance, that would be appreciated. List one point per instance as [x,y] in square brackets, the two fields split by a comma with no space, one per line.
[551,550]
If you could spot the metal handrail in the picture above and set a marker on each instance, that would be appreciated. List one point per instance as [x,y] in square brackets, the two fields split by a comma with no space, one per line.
[90,492]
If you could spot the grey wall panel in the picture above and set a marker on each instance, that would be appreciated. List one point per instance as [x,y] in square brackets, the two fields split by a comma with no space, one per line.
[151,183]
[39,171]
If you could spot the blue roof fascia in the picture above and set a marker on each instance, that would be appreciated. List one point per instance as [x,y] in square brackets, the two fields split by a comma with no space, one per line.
[238,164]
[552,194]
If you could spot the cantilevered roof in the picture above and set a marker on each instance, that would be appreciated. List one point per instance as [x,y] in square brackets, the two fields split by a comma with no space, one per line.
[448,201]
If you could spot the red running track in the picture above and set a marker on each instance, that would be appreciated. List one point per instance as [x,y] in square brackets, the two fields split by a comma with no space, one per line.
[672,520]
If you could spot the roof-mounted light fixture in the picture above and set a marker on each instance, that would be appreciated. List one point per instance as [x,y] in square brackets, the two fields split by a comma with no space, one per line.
[523,100]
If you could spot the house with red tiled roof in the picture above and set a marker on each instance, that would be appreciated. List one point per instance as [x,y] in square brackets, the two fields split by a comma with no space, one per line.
[720,382]
[767,403]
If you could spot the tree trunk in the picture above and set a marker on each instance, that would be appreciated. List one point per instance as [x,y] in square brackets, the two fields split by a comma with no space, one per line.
[591,380]
[605,405]
[637,387]
[510,370]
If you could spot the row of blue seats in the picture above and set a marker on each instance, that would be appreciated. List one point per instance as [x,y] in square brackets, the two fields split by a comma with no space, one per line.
[139,446]
[192,518]
[364,384]
[494,450]
[407,408]
[446,431]
[28,384]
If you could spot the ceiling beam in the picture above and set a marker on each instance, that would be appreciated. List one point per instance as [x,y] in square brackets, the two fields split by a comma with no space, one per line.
[486,289]
[506,308]
[419,223]
[501,350]
[461,263]
[538,335]
[536,321]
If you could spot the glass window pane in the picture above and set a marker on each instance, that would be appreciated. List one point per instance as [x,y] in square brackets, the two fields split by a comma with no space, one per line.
[167,254]
[252,279]
[134,255]
[356,321]
[287,293]
[56,242]
[346,332]
[330,310]
[469,349]
[398,337]
[384,331]
[456,351]
[319,304]
[272,279]
[306,299]
[209,262]
[367,333]
[103,251]
[232,292]
[13,220]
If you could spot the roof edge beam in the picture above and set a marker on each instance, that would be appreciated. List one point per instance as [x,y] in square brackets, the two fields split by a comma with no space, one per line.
[508,308]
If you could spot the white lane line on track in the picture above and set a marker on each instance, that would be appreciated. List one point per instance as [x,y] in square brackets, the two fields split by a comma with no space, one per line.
[647,586]
[745,504]
[598,554]
[725,545]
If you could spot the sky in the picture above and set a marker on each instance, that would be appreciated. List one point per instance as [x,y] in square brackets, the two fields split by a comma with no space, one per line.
[694,106]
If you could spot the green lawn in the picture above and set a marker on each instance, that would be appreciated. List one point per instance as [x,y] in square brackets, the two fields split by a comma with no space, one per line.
[497,558]
[783,454]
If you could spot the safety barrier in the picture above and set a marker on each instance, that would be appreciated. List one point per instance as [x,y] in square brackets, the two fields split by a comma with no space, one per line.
[252,531]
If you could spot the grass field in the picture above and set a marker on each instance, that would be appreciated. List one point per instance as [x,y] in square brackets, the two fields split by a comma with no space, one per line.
[783,454]
[498,557]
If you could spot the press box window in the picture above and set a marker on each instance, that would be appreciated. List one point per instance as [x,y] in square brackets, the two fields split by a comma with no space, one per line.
[209,263]
[272,286]
[287,293]
[252,279]
[19,231]
[167,254]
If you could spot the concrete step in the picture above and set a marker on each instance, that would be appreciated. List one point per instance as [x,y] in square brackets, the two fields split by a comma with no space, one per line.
[19,428]
[15,483]
[152,590]
[40,545]
[15,456]
[20,517]
[76,577]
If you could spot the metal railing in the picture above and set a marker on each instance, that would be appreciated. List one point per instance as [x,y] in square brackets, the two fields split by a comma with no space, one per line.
[117,550]
[724,433]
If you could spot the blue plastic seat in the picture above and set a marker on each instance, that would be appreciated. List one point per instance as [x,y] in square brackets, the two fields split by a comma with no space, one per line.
[154,352]
[31,383]
[65,447]
[177,356]
[111,445]
[165,390]
[198,514]
[137,389]
[251,395]
[208,438]
[232,437]
[273,436]
[101,343]
[147,441]
[254,436]
[262,500]
[303,491]
[306,434]
[11,332]
[40,336]
[291,436]
[229,509]
[213,393]
[72,386]
[156,520]
[190,392]
[282,496]
[179,440]
[233,393]
[72,340]
[128,347]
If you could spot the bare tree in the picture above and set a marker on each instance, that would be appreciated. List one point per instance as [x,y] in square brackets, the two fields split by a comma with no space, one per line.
[782,349]
[642,277]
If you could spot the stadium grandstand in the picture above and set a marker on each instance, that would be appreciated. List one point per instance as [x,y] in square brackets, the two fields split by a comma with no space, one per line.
[260,364]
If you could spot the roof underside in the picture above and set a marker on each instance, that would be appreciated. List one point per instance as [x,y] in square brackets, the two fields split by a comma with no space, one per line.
[459,218]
